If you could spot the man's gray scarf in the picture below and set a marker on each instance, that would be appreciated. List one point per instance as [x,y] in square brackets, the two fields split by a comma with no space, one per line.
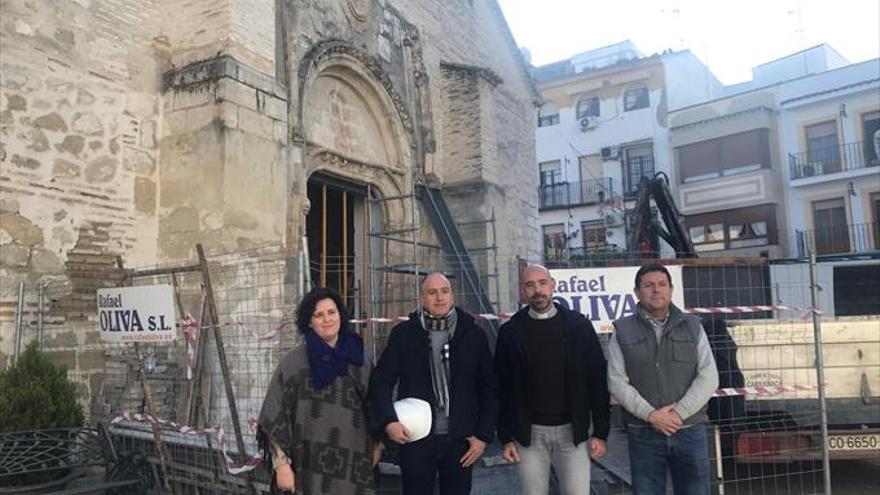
[440,377]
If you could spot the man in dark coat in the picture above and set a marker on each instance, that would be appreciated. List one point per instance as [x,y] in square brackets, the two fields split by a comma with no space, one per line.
[442,357]
[552,377]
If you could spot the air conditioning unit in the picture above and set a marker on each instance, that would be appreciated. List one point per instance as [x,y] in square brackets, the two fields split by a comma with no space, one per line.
[609,153]
[588,123]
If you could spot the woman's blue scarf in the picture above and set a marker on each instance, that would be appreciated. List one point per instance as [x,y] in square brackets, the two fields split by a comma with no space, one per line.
[326,363]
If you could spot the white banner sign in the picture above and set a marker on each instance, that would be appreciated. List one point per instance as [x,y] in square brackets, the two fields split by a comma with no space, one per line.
[137,314]
[605,294]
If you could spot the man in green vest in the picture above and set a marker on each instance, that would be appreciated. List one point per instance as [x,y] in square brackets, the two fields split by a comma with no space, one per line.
[661,371]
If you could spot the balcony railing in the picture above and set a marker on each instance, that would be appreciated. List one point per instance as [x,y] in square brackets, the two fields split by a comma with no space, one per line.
[846,239]
[569,194]
[581,257]
[824,161]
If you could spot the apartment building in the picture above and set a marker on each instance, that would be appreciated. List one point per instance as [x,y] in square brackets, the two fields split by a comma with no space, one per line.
[602,127]
[787,165]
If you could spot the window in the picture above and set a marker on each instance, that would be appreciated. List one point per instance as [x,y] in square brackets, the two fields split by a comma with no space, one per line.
[553,188]
[871,132]
[635,98]
[551,172]
[554,242]
[708,237]
[638,162]
[594,235]
[733,229]
[831,233]
[729,155]
[822,151]
[587,106]
[548,115]
[747,234]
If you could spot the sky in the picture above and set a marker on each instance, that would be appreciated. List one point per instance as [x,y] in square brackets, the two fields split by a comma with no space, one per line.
[730,37]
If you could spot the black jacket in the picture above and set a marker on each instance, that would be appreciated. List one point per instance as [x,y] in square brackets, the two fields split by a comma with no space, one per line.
[585,369]
[473,389]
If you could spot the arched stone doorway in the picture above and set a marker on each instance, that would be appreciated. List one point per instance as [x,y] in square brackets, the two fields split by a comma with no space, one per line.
[356,142]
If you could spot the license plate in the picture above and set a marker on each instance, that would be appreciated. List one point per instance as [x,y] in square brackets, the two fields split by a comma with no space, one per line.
[867,441]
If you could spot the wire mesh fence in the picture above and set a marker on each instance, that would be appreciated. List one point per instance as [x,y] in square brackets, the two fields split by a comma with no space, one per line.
[766,417]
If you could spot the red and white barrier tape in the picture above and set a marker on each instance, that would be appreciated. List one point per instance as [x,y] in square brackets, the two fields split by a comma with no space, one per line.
[764,390]
[248,465]
[759,391]
[712,310]
[191,327]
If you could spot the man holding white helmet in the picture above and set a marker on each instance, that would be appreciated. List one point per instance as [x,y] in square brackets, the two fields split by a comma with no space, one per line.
[441,357]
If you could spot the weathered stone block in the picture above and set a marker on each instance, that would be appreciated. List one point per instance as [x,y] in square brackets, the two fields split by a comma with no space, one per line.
[182,219]
[101,170]
[45,261]
[253,122]
[84,97]
[193,97]
[38,141]
[62,358]
[238,219]
[93,338]
[16,103]
[199,117]
[144,195]
[138,161]
[275,108]
[8,205]
[72,144]
[280,130]
[228,114]
[51,122]
[25,162]
[14,255]
[60,339]
[91,361]
[148,134]
[242,95]
[88,124]
[22,230]
[64,168]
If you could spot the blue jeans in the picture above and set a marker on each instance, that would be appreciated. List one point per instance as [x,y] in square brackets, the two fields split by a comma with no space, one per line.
[685,455]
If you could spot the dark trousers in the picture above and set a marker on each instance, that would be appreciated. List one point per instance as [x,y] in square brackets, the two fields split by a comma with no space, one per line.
[422,461]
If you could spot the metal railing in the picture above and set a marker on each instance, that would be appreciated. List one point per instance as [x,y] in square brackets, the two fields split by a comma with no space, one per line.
[845,239]
[830,160]
[580,257]
[568,194]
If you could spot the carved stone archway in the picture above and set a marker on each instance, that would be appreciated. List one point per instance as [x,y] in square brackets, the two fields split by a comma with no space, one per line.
[352,125]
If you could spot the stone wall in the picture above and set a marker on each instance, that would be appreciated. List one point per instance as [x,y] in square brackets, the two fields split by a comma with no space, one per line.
[139,128]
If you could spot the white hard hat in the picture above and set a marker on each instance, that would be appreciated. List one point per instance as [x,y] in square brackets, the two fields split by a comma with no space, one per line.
[415,415]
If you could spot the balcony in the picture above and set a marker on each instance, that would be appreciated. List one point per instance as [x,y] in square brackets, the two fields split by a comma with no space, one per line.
[572,194]
[824,161]
[846,239]
[581,257]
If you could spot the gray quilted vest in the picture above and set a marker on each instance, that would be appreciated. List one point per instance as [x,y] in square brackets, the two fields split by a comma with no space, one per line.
[662,372]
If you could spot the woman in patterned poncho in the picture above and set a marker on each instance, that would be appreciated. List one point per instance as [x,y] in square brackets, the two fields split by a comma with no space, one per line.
[313,427]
